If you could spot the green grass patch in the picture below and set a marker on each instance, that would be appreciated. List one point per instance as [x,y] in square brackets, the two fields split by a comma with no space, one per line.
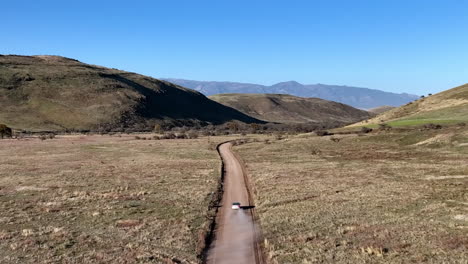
[419,122]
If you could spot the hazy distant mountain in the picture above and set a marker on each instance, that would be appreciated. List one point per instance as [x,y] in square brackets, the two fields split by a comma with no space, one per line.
[363,98]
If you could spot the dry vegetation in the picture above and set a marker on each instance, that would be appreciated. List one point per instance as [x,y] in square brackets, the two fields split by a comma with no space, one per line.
[383,197]
[105,199]
[284,108]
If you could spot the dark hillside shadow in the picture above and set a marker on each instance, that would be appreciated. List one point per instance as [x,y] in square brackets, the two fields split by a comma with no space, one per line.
[164,99]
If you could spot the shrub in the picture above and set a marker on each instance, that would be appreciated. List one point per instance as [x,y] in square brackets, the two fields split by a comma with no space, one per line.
[278,136]
[169,135]
[192,134]
[208,133]
[5,131]
[322,133]
[232,126]
[366,130]
[158,128]
[315,151]
[181,136]
[432,126]
[384,126]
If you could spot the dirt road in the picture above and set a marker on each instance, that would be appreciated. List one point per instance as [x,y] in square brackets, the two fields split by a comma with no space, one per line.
[236,237]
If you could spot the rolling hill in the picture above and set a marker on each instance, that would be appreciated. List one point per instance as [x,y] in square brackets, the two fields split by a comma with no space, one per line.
[381,109]
[57,93]
[362,98]
[450,106]
[283,108]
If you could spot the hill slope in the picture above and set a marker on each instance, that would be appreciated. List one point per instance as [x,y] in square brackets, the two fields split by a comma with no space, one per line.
[56,93]
[381,109]
[283,108]
[355,96]
[450,106]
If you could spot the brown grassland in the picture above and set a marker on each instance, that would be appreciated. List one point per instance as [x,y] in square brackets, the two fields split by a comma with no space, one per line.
[105,199]
[386,197]
[383,197]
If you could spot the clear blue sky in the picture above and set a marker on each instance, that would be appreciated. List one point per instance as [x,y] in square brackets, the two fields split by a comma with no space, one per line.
[410,46]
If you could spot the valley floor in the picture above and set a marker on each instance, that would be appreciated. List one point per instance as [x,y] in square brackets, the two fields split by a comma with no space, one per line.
[101,199]
[383,197]
[377,198]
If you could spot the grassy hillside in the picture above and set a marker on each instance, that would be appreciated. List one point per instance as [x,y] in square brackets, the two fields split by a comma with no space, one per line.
[381,109]
[283,108]
[56,93]
[447,107]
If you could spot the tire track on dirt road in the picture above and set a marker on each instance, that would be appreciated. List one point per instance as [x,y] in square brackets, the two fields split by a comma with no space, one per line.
[237,237]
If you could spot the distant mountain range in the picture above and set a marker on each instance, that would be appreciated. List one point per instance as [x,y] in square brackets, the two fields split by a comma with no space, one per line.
[358,97]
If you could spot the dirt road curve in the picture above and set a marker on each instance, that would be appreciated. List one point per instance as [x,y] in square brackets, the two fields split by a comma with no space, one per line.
[236,238]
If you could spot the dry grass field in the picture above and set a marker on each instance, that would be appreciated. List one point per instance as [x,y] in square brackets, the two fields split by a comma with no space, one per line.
[387,197]
[105,199]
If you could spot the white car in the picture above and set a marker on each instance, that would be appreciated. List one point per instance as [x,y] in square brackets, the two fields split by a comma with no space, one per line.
[236,206]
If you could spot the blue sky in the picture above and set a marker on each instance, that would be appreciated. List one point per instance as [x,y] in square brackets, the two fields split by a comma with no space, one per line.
[400,46]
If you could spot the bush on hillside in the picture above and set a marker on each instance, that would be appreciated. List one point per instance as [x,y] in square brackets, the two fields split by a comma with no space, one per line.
[366,130]
[432,126]
[384,126]
[5,131]
[322,133]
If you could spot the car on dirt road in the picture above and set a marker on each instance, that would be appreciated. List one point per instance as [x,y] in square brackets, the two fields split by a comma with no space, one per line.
[236,206]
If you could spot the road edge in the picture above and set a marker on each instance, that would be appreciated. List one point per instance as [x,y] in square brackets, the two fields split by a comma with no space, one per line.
[207,237]
[251,191]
